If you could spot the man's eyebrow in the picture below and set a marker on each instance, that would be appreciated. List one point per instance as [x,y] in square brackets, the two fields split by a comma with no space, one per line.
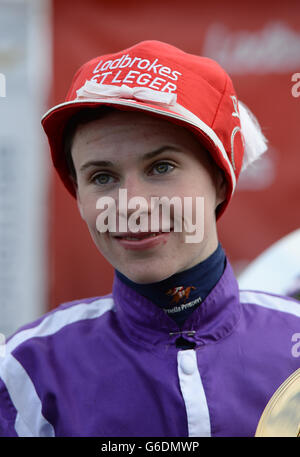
[151,154]
[96,163]
[147,156]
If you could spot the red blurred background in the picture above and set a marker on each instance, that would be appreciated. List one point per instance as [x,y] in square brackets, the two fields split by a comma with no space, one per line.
[258,43]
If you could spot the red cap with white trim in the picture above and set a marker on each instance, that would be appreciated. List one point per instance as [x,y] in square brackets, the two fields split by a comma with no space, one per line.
[162,80]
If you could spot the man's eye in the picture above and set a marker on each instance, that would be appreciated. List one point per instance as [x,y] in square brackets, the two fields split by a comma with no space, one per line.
[101,178]
[163,167]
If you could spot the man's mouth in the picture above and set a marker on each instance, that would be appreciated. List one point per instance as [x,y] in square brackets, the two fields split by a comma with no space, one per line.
[142,240]
[137,238]
[139,235]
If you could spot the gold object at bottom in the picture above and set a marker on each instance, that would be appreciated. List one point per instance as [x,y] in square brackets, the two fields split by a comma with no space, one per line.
[281,416]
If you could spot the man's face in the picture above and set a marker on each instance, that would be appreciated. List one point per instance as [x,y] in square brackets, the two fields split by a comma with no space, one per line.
[149,157]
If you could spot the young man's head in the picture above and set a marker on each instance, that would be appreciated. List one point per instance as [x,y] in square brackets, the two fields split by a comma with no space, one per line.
[154,122]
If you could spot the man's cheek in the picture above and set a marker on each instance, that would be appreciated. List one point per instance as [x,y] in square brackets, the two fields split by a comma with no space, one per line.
[105,221]
[194,219]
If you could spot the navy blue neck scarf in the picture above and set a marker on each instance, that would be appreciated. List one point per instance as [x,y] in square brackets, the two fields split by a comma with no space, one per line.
[180,294]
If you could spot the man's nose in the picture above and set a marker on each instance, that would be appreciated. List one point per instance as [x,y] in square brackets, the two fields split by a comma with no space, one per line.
[136,187]
[135,194]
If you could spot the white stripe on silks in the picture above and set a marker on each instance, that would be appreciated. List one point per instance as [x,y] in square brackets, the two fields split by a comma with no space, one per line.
[193,394]
[58,319]
[29,420]
[22,429]
[270,301]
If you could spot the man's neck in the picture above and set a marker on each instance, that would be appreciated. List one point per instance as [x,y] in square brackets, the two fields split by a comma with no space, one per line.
[180,294]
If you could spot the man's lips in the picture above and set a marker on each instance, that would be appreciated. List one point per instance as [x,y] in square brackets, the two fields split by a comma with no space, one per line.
[139,235]
[142,240]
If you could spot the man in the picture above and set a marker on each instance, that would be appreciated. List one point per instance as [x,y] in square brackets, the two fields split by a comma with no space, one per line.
[176,349]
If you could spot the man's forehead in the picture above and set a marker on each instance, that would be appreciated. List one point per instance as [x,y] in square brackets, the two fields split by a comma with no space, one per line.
[120,126]
[118,118]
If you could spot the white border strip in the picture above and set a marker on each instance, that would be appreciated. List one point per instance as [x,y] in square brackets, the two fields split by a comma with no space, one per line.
[186,116]
[193,394]
[270,301]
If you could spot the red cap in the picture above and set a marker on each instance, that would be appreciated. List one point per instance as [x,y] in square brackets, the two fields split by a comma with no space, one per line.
[162,80]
